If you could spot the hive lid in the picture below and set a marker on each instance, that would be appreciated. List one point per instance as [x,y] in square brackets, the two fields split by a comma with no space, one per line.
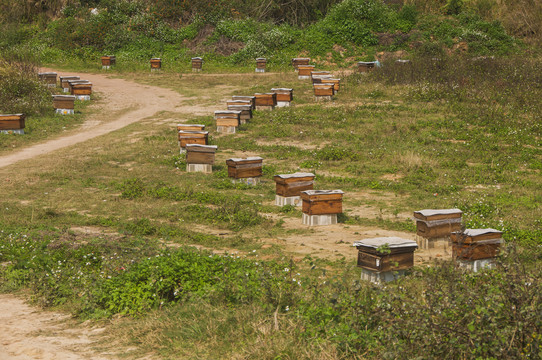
[196,146]
[260,58]
[478,232]
[156,59]
[302,58]
[227,112]
[322,192]
[47,73]
[71,97]
[281,89]
[433,212]
[402,61]
[294,175]
[391,241]
[192,132]
[245,159]
[6,115]
[197,58]
[264,94]
[190,125]
[366,62]
[69,77]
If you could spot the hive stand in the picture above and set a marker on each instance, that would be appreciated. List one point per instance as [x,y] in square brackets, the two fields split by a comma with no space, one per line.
[320,207]
[476,249]
[289,187]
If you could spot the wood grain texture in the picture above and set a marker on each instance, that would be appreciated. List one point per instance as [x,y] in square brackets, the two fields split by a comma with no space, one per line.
[390,262]
[475,251]
[442,230]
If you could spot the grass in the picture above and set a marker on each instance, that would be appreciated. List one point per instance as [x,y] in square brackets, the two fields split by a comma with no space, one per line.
[395,142]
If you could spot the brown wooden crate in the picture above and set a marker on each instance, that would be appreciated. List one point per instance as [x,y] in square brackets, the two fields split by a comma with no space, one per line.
[156,63]
[245,172]
[437,217]
[395,262]
[197,63]
[267,99]
[475,251]
[458,237]
[323,90]
[64,80]
[280,180]
[227,122]
[321,196]
[199,141]
[366,66]
[322,207]
[305,70]
[300,61]
[190,127]
[63,103]
[293,189]
[12,121]
[193,157]
[336,83]
[442,230]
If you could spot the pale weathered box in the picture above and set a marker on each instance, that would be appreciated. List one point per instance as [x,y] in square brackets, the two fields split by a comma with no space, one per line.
[197,63]
[365,66]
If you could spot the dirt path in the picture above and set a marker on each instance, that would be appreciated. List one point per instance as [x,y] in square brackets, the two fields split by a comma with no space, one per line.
[124,103]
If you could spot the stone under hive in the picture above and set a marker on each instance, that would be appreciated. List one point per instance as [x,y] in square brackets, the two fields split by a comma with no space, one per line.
[64,82]
[156,63]
[300,61]
[12,123]
[108,61]
[200,158]
[197,64]
[385,258]
[265,101]
[289,187]
[476,248]
[284,96]
[250,98]
[260,64]
[366,66]
[323,91]
[227,121]
[320,207]
[245,170]
[48,78]
[64,104]
[304,71]
[192,137]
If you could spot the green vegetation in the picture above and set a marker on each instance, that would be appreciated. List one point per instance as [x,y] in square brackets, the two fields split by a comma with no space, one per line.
[193,266]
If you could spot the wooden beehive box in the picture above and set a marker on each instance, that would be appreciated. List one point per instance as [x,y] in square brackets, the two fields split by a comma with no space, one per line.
[12,121]
[252,99]
[293,184]
[200,154]
[365,66]
[245,110]
[197,63]
[323,89]
[227,118]
[190,127]
[476,244]
[71,83]
[64,81]
[193,137]
[317,76]
[48,77]
[63,102]
[322,202]
[305,70]
[386,253]
[300,61]
[283,94]
[267,99]
[433,223]
[108,60]
[260,63]
[156,63]
[336,83]
[245,168]
[81,88]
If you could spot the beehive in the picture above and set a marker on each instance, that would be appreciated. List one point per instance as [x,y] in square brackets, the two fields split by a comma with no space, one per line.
[48,78]
[476,244]
[266,101]
[82,89]
[288,187]
[197,64]
[260,64]
[64,104]
[200,158]
[365,66]
[245,110]
[108,61]
[304,71]
[300,61]
[284,96]
[317,76]
[434,223]
[227,121]
[250,98]
[336,83]
[322,202]
[190,127]
[64,82]
[385,258]
[156,64]
[323,91]
[12,123]
[250,167]
[192,137]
